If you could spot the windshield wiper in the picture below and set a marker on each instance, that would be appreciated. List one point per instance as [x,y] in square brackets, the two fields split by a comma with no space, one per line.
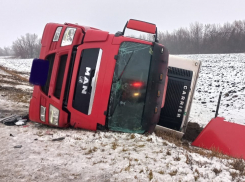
[124,68]
[118,79]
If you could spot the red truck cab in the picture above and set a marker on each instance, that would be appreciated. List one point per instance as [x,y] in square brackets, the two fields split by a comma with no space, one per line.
[96,79]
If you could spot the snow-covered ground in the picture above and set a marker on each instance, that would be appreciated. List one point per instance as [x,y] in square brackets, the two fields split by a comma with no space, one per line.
[15,92]
[21,65]
[102,157]
[219,72]
[111,156]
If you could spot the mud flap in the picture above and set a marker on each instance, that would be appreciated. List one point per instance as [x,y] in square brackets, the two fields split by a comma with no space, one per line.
[225,137]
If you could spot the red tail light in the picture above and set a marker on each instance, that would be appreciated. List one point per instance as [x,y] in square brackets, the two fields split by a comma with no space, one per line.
[137,84]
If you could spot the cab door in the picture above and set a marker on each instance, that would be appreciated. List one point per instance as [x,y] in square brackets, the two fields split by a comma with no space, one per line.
[91,83]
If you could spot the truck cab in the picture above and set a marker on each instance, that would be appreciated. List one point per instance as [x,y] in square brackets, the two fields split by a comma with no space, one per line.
[99,80]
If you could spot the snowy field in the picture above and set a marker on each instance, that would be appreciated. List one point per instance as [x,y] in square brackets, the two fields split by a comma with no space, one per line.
[219,72]
[111,156]
[102,157]
[21,65]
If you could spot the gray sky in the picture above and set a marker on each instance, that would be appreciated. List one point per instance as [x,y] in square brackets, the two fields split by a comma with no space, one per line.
[18,17]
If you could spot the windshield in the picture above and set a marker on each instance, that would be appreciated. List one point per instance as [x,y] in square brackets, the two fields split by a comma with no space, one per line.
[129,86]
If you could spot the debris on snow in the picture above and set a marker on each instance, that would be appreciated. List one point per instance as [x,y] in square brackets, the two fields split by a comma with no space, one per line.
[18,146]
[21,122]
[58,139]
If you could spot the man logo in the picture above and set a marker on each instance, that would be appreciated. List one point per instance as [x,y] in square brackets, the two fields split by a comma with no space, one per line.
[84,80]
[81,79]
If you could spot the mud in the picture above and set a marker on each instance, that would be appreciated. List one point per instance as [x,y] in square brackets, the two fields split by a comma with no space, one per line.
[13,100]
[15,94]
[16,75]
[192,131]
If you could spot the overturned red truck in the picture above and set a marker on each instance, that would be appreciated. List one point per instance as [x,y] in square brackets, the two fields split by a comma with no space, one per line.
[96,80]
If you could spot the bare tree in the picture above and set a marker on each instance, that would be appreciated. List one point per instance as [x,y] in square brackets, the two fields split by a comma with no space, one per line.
[27,46]
[1,52]
[209,38]
[196,32]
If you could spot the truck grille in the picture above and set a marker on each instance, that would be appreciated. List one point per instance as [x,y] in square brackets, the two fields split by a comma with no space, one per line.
[179,82]
[50,58]
[60,76]
[178,72]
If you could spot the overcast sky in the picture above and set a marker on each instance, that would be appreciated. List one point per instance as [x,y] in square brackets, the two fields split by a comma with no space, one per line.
[18,17]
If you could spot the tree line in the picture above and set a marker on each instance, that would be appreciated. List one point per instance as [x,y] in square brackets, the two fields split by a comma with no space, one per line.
[196,39]
[27,46]
[205,38]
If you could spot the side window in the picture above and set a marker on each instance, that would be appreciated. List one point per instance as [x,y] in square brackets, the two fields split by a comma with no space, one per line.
[50,58]
[60,76]
[86,80]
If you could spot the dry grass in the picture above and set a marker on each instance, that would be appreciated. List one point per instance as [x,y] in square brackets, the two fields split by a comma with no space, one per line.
[238,164]
[15,94]
[161,172]
[216,153]
[77,138]
[136,160]
[124,150]
[149,139]
[15,74]
[172,138]
[234,175]
[128,167]
[173,173]
[132,136]
[168,152]
[177,158]
[98,162]
[197,174]
[188,159]
[114,145]
[169,136]
[91,151]
[164,143]
[141,146]
[216,171]
[150,175]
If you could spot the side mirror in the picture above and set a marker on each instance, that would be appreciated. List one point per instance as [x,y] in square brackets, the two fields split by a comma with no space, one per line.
[141,26]
[39,72]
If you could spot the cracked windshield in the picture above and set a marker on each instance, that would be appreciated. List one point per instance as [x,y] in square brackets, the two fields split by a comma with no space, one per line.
[129,86]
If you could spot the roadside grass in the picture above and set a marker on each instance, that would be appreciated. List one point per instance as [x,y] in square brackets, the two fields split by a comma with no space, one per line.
[172,138]
[239,165]
[16,95]
[10,92]
[15,74]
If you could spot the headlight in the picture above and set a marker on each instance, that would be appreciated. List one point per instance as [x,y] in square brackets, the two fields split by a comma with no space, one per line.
[53,115]
[68,36]
[42,113]
[57,34]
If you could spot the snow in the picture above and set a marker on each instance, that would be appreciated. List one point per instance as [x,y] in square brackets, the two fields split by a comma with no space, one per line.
[113,156]
[24,87]
[8,107]
[3,73]
[21,65]
[101,156]
[219,72]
